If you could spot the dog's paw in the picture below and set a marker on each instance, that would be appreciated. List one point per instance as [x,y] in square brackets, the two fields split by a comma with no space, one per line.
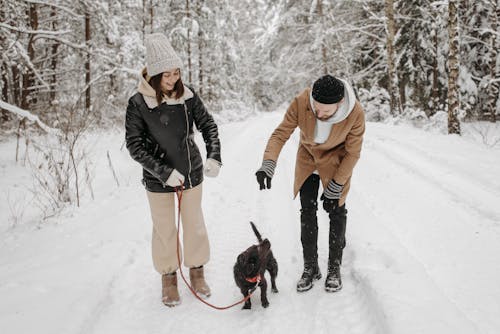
[247,306]
[275,290]
[265,304]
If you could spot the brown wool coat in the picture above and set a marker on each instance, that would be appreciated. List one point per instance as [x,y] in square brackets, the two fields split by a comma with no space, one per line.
[334,159]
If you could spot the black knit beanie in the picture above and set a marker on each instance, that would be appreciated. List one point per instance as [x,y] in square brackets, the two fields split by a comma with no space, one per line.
[328,90]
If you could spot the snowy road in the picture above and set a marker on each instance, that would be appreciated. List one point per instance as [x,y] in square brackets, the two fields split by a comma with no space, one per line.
[423,230]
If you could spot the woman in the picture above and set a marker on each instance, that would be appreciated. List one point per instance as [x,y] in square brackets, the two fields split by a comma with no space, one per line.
[159,135]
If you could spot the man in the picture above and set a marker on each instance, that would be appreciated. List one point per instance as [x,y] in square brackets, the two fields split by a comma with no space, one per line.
[332,124]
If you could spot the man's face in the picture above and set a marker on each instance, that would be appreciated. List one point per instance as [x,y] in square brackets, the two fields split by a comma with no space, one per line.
[169,78]
[325,111]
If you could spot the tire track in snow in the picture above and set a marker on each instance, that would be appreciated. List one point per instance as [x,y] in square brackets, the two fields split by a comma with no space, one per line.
[444,180]
[447,168]
[396,257]
[105,302]
[434,231]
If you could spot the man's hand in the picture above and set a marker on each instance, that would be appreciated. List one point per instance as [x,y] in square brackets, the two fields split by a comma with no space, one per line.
[329,204]
[265,174]
[331,196]
[263,180]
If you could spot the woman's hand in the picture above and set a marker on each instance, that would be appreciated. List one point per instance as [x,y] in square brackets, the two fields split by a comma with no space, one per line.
[175,179]
[212,167]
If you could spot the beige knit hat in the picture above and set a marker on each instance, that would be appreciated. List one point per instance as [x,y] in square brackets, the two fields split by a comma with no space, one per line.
[160,55]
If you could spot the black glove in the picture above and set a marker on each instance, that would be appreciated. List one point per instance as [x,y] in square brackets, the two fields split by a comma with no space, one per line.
[329,204]
[265,174]
[331,196]
[261,177]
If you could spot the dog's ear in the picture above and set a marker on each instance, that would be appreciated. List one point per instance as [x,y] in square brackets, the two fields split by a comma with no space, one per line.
[266,244]
[241,259]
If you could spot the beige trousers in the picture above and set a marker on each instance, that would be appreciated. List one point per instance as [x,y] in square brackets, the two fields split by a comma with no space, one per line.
[194,236]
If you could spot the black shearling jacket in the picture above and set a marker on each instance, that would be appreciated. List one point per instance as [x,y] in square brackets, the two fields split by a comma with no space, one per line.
[161,138]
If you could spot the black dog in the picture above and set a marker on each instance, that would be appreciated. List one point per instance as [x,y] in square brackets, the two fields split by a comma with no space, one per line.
[250,268]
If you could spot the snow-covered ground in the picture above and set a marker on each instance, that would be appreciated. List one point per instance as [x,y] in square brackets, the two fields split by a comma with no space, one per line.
[422,256]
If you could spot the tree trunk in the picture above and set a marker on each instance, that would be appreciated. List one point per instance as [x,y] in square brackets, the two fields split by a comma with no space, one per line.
[5,83]
[16,79]
[111,45]
[453,68]
[188,15]
[4,115]
[28,78]
[144,11]
[200,50]
[53,60]
[323,46]
[494,75]
[87,61]
[402,89]
[392,82]
[210,93]
[151,16]
[4,70]
[435,72]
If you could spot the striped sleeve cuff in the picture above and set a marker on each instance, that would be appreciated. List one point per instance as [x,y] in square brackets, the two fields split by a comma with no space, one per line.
[333,190]
[268,167]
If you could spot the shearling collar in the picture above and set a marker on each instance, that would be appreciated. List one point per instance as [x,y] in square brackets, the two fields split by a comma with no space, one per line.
[149,93]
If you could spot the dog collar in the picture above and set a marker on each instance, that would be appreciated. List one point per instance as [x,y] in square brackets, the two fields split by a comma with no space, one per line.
[255,279]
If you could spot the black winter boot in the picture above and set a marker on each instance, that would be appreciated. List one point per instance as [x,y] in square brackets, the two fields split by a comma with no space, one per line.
[333,280]
[311,273]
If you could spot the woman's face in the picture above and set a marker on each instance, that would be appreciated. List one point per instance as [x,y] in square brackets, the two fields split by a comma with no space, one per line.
[169,78]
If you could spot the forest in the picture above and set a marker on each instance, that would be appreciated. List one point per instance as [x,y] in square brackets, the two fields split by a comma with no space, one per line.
[76,62]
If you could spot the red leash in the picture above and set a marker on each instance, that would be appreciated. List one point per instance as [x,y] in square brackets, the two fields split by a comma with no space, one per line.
[179,191]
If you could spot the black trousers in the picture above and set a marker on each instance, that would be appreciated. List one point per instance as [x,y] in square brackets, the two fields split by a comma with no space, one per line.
[309,225]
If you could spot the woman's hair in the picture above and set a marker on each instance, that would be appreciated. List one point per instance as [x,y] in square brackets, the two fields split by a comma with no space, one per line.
[155,82]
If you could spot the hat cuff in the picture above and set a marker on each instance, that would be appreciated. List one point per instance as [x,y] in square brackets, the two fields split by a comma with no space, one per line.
[163,66]
[327,99]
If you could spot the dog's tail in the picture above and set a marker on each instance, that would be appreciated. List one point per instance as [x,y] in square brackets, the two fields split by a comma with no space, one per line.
[259,237]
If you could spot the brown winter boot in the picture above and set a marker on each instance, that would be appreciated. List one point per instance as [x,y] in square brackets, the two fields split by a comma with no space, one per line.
[198,283]
[169,292]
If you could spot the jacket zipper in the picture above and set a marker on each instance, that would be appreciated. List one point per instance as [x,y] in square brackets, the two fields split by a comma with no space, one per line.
[187,144]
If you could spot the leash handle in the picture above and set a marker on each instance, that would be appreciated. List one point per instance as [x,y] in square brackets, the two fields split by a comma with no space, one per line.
[179,190]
